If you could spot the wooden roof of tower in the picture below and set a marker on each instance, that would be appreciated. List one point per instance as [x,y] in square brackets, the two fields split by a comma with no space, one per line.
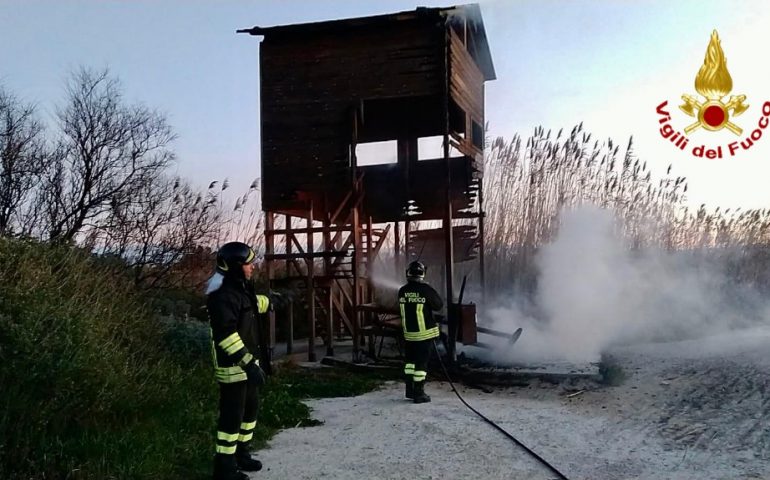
[326,86]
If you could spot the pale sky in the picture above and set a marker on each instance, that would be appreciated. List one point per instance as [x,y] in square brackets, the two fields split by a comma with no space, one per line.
[606,63]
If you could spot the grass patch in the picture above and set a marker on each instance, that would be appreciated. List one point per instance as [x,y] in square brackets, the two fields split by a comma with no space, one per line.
[325,382]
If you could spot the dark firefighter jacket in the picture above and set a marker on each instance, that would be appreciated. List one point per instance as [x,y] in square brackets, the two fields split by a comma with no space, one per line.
[235,329]
[418,301]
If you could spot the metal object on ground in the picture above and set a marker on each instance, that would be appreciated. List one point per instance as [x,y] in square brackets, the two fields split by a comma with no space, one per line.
[512,337]
[464,317]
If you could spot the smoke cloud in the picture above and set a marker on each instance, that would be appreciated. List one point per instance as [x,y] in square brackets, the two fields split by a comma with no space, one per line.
[594,292]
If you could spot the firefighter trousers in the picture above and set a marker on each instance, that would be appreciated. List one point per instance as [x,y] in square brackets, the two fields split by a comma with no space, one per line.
[238,407]
[417,357]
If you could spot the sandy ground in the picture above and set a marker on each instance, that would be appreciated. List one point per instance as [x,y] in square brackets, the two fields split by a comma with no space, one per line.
[688,410]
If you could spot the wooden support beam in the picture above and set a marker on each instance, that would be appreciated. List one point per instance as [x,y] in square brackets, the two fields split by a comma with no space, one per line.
[326,228]
[345,246]
[369,259]
[356,285]
[345,295]
[482,270]
[342,315]
[310,290]
[306,255]
[341,206]
[381,242]
[296,242]
[269,249]
[397,242]
[447,220]
[328,246]
[330,322]
[290,308]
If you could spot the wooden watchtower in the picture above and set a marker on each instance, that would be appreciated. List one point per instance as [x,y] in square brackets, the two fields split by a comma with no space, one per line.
[328,88]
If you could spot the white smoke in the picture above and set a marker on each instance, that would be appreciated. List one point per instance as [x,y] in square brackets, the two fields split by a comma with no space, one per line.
[594,292]
[387,277]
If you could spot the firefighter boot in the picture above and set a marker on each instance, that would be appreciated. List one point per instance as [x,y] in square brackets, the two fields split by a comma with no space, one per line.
[409,392]
[419,393]
[225,468]
[245,461]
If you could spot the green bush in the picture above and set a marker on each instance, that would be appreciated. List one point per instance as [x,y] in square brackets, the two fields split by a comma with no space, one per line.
[93,385]
[90,387]
[187,340]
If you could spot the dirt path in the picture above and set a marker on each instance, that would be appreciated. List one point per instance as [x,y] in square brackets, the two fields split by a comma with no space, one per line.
[689,410]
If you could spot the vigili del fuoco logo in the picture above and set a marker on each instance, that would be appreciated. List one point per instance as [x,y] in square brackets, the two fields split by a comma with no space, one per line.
[712,111]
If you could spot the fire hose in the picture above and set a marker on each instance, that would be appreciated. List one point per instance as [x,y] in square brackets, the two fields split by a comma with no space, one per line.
[496,426]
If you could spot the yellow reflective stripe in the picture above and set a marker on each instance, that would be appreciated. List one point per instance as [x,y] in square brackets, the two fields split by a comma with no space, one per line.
[403,317]
[235,347]
[230,370]
[263,303]
[245,438]
[420,318]
[251,256]
[248,426]
[409,368]
[227,437]
[232,379]
[226,450]
[230,340]
[420,375]
[230,374]
[245,359]
[418,336]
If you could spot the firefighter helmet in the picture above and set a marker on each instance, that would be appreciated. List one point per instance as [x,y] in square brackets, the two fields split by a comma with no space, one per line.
[415,270]
[232,255]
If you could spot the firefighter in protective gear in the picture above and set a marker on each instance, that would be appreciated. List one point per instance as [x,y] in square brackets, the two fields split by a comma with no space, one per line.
[234,309]
[418,301]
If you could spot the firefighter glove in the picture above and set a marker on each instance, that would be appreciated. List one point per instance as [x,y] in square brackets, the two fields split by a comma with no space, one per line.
[254,374]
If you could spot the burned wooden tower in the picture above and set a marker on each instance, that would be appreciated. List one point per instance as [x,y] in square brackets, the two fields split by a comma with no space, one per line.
[328,89]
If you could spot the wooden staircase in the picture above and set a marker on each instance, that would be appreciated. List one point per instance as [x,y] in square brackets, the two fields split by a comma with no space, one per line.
[335,272]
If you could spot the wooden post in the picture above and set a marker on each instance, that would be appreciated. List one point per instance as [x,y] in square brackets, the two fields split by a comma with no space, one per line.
[356,235]
[338,323]
[356,284]
[270,249]
[330,322]
[447,221]
[327,241]
[397,246]
[369,261]
[290,312]
[482,270]
[310,289]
